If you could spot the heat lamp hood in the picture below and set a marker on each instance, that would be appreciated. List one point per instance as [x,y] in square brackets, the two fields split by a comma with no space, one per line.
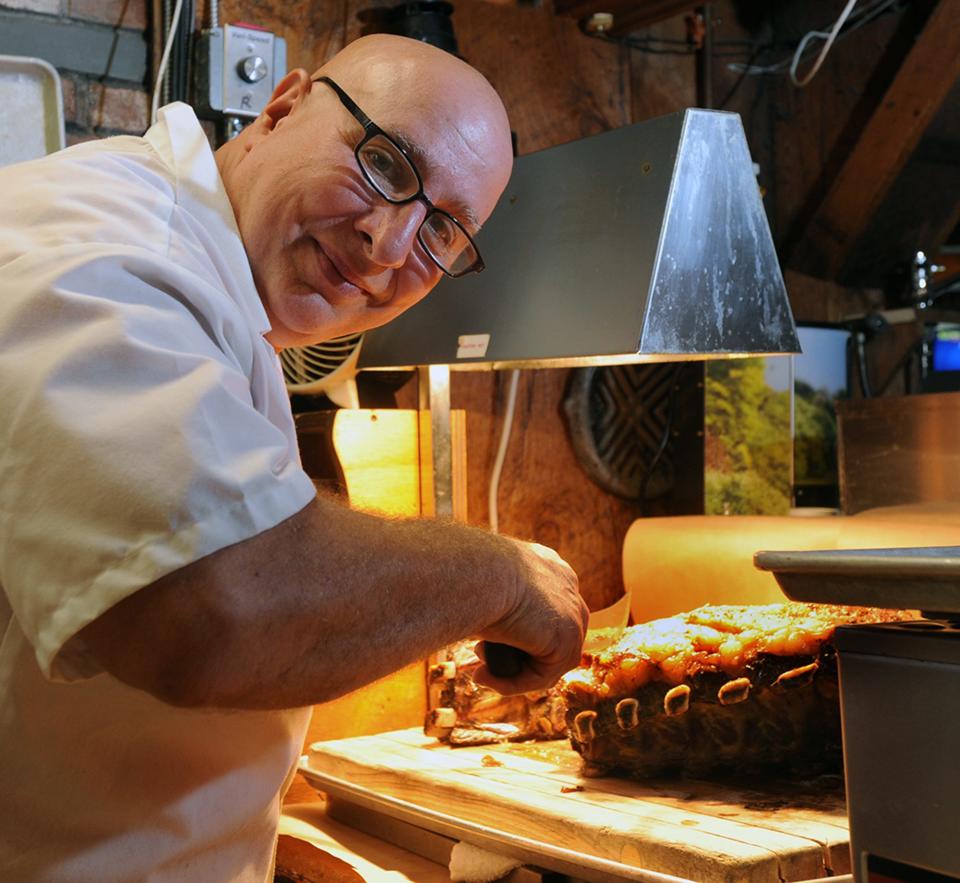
[646,243]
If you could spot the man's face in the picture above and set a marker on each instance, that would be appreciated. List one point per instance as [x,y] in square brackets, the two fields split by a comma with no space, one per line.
[330,256]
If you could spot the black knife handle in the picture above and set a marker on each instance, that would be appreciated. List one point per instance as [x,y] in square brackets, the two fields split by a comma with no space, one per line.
[503,661]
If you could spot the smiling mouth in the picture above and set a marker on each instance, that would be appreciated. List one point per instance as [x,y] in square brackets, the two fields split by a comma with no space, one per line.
[333,281]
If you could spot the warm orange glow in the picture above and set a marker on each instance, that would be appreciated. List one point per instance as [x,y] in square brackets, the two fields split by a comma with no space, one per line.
[675,564]
[380,453]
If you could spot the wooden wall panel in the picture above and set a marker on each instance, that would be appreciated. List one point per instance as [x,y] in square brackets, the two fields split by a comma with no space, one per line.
[661,84]
[628,15]
[544,494]
[315,30]
[558,85]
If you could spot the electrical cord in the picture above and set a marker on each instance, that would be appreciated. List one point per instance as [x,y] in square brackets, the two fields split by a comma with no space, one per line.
[854,20]
[162,68]
[850,20]
[828,37]
[648,45]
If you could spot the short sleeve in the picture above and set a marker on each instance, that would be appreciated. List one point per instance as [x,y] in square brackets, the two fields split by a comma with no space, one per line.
[133,442]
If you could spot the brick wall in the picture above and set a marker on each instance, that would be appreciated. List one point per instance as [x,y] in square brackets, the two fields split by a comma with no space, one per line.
[97,102]
[93,109]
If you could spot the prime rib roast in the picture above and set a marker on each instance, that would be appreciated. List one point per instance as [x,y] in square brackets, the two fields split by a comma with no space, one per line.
[742,689]
[738,689]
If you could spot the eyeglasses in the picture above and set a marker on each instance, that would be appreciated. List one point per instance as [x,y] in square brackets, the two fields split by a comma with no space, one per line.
[389,170]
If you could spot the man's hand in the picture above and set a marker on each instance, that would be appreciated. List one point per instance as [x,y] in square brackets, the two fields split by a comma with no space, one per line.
[547,620]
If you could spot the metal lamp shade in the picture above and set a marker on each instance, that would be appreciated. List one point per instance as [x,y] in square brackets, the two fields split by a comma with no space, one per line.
[646,243]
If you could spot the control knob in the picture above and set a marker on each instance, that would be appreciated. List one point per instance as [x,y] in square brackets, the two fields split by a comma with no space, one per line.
[252,68]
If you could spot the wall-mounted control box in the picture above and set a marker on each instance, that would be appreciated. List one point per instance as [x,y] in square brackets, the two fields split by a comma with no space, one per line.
[237,67]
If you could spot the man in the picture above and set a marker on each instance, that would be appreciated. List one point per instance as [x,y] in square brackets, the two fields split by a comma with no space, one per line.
[175,596]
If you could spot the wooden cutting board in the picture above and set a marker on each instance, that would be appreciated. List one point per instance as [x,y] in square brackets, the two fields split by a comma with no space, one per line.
[531,794]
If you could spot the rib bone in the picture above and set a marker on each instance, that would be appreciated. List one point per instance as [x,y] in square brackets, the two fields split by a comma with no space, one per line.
[734,691]
[628,713]
[440,721]
[583,725]
[677,700]
[798,677]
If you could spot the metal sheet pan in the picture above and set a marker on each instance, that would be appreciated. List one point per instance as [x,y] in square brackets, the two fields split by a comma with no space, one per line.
[31,109]
[921,578]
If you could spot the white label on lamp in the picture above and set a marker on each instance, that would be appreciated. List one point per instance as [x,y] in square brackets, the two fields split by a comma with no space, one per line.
[472,346]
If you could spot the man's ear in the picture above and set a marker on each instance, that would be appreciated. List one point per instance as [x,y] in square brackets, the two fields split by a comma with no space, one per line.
[292,89]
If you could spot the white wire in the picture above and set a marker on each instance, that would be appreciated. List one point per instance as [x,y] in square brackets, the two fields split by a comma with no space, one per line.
[162,69]
[862,16]
[823,52]
[502,450]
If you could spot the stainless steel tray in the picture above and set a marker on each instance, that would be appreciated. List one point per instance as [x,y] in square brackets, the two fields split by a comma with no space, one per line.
[924,578]
[31,109]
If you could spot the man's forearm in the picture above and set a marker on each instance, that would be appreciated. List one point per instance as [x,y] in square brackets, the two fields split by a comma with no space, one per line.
[328,600]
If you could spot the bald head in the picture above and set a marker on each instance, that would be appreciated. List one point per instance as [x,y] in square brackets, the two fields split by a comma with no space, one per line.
[380,58]
[329,254]
[382,71]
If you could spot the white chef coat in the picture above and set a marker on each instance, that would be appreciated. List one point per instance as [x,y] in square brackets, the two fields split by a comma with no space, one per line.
[143,425]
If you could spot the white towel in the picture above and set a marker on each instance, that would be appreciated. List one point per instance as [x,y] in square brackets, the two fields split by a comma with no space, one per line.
[470,864]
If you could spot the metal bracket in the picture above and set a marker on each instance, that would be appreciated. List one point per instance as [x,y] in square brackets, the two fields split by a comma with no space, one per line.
[433,385]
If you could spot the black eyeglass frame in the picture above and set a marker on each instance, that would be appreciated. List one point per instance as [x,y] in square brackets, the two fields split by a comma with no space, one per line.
[372,130]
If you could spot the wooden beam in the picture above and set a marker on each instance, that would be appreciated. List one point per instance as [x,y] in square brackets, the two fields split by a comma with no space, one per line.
[635,18]
[925,78]
[817,300]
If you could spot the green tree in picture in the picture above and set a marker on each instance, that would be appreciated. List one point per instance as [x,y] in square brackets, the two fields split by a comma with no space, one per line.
[748,449]
[815,446]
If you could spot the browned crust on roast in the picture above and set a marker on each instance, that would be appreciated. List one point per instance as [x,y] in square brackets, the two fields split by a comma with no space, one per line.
[682,696]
